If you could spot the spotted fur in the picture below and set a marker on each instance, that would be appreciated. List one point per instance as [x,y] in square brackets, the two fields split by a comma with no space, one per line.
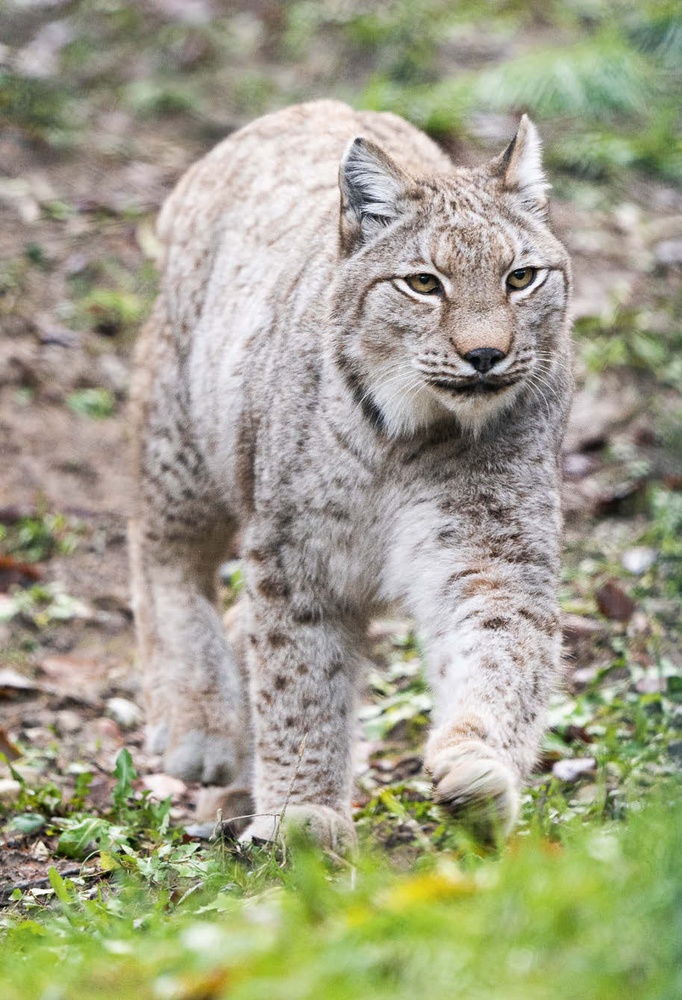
[294,395]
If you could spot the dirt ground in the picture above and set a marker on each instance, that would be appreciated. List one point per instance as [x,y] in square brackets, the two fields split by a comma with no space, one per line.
[70,220]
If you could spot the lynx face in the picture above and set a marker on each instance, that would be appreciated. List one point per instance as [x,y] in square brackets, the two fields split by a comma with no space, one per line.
[455,288]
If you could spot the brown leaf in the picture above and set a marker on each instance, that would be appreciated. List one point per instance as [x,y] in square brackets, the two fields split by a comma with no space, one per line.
[615,499]
[7,747]
[13,572]
[75,677]
[614,603]
[11,681]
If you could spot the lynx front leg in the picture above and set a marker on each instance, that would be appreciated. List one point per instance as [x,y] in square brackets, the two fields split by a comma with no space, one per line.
[487,605]
[492,671]
[302,666]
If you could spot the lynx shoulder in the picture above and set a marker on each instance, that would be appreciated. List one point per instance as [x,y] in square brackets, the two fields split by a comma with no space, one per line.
[356,377]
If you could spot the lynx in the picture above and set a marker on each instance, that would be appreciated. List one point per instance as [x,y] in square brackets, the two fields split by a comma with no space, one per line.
[358,372]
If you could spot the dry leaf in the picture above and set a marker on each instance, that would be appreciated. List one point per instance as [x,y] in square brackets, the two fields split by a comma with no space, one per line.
[614,603]
[7,747]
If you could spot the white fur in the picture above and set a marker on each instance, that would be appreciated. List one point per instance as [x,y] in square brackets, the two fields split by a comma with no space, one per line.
[368,186]
[525,172]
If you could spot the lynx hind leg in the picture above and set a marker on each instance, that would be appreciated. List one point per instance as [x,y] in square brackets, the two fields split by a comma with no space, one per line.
[196,700]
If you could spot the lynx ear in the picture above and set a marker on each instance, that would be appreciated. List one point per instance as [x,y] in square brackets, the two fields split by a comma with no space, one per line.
[520,168]
[371,186]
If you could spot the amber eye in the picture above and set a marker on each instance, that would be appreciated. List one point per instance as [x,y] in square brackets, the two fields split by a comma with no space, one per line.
[521,278]
[425,284]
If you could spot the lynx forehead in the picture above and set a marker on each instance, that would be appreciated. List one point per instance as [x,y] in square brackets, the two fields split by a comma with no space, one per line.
[358,372]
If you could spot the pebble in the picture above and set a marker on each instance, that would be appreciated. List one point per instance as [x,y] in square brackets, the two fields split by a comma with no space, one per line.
[69,721]
[668,253]
[124,712]
[160,786]
[573,768]
[638,559]
[9,790]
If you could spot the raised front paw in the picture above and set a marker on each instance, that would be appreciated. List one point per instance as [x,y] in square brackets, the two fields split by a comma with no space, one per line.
[325,826]
[472,782]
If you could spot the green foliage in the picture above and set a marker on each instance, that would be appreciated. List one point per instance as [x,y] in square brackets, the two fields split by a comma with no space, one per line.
[622,338]
[95,403]
[42,605]
[587,920]
[111,311]
[36,107]
[34,539]
[610,94]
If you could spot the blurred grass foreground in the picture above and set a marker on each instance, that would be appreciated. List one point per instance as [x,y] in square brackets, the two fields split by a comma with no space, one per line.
[600,918]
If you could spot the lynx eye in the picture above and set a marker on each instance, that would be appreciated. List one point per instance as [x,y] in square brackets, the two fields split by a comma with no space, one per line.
[425,284]
[521,278]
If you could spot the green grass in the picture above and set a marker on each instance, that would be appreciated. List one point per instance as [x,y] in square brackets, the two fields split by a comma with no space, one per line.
[600,917]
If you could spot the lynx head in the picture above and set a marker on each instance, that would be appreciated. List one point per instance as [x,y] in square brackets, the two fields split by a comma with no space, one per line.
[452,291]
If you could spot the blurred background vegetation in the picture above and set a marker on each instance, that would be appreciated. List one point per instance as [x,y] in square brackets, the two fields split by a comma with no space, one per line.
[103,104]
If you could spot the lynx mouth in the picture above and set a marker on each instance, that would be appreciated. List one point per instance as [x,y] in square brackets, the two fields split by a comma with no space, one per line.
[471,387]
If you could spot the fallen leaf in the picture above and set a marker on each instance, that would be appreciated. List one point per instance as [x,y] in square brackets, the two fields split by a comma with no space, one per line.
[11,681]
[75,677]
[39,851]
[614,603]
[7,747]
[14,573]
[612,501]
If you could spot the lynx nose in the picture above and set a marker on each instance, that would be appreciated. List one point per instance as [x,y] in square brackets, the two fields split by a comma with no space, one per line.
[484,358]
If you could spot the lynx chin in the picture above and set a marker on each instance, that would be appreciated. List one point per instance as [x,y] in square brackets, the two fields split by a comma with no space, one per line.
[357,373]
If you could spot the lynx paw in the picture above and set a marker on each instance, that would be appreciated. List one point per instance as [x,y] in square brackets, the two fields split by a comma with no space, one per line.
[470,780]
[325,826]
[196,755]
[232,806]
[202,756]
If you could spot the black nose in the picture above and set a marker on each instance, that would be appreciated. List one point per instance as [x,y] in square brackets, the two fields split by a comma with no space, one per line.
[483,358]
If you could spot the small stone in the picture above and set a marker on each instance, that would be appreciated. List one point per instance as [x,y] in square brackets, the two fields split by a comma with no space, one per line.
[587,794]
[638,559]
[108,729]
[577,465]
[573,768]
[124,712]
[651,684]
[200,831]
[160,786]
[668,253]
[69,721]
[9,790]
[584,675]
